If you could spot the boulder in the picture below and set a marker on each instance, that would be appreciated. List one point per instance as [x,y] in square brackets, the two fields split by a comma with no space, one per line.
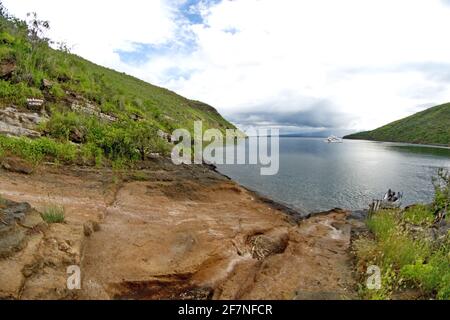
[16,123]
[90,227]
[46,84]
[358,215]
[135,117]
[16,165]
[77,136]
[264,245]
[18,131]
[16,219]
[88,230]
[7,67]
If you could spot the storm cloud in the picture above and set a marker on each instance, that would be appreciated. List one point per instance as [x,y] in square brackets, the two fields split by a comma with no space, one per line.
[320,118]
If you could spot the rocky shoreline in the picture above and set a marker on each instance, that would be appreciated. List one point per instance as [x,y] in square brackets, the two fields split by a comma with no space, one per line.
[170,232]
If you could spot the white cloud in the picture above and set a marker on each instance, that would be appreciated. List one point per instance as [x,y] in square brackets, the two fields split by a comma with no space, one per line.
[97,28]
[275,54]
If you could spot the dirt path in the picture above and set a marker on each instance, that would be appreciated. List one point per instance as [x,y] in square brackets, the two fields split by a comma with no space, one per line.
[174,232]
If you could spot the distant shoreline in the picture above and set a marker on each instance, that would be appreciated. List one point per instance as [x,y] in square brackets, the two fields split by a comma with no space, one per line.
[435,145]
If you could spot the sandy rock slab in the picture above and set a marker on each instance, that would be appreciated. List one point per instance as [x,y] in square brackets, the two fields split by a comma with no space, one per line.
[21,231]
[34,256]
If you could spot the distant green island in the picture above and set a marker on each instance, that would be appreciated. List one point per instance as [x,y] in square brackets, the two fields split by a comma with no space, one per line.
[431,126]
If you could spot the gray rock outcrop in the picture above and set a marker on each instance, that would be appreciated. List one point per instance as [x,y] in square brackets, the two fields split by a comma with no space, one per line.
[16,123]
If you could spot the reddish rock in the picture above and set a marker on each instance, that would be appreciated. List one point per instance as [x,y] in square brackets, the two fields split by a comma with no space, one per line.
[16,165]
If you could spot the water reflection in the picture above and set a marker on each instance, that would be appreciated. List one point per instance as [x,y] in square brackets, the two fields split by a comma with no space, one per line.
[318,176]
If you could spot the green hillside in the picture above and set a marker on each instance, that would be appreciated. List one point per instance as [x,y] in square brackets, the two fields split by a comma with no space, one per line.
[431,126]
[31,69]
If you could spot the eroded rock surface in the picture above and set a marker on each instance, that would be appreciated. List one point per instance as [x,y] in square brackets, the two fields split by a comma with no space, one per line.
[178,232]
[21,228]
[14,164]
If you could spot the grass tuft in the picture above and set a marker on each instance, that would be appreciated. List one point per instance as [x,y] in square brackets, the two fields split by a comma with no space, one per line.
[54,214]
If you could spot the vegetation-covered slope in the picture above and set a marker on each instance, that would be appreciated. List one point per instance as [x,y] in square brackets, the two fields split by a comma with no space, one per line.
[431,126]
[411,247]
[137,111]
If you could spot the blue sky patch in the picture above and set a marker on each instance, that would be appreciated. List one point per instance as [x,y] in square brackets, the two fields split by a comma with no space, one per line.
[188,14]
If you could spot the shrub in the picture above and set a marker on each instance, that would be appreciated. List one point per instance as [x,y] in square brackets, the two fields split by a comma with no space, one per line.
[6,53]
[146,138]
[56,91]
[61,125]
[117,143]
[419,215]
[6,38]
[91,154]
[65,152]
[432,276]
[18,93]
[126,139]
[39,149]
[442,191]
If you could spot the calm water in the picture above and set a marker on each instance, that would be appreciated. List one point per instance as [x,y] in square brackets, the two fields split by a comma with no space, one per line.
[317,176]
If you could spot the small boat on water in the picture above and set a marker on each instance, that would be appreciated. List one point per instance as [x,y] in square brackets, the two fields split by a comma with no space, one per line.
[333,139]
[392,199]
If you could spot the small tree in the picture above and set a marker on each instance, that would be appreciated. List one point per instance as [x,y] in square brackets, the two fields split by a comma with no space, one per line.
[3,12]
[37,28]
[146,138]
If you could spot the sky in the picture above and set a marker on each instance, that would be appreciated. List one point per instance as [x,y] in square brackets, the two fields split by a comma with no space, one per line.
[304,66]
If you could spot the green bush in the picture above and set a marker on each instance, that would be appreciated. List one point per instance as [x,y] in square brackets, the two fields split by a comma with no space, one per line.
[6,53]
[65,152]
[39,149]
[432,276]
[61,125]
[56,91]
[118,143]
[18,93]
[126,139]
[442,191]
[91,154]
[6,38]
